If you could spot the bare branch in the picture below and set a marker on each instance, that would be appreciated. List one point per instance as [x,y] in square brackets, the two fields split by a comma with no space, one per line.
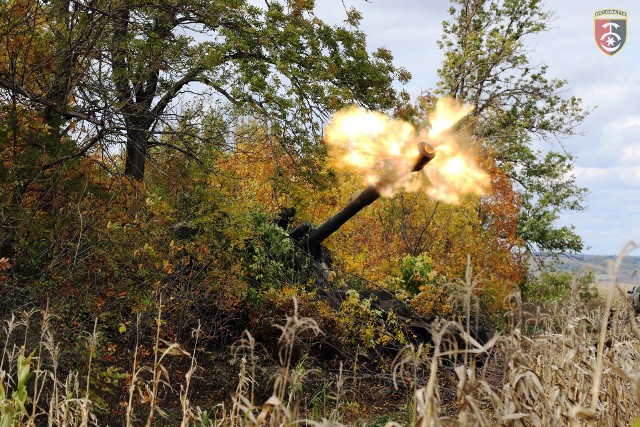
[12,86]
[78,153]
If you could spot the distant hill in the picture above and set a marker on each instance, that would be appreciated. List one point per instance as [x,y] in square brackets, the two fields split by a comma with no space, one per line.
[629,272]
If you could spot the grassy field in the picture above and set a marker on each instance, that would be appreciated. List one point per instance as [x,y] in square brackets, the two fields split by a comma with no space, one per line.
[567,363]
[628,273]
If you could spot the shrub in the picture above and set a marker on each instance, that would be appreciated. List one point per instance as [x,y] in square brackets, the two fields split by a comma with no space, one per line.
[274,261]
[557,286]
[368,327]
[426,285]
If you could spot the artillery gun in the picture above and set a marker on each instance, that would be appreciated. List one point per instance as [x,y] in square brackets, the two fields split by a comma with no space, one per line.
[310,239]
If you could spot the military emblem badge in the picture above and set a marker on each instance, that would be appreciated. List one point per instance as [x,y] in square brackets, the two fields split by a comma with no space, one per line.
[610,27]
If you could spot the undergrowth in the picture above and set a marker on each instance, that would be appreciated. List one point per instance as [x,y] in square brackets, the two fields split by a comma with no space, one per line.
[566,363]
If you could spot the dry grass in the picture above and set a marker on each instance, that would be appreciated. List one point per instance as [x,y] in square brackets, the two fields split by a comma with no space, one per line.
[567,364]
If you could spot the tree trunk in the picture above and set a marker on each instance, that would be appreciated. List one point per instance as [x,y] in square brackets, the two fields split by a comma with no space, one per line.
[136,148]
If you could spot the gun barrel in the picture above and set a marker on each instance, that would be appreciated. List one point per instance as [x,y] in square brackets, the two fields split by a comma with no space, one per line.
[370,194]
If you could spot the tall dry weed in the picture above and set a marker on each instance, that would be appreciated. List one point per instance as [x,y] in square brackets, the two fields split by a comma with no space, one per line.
[559,364]
[31,391]
[576,366]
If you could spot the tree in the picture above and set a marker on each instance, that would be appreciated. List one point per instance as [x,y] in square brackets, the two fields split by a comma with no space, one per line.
[515,103]
[43,53]
[122,67]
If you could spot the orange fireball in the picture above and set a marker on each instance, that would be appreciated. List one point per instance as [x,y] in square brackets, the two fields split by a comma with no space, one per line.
[384,149]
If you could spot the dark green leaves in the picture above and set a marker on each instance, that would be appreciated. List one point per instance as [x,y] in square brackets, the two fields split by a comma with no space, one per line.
[517,108]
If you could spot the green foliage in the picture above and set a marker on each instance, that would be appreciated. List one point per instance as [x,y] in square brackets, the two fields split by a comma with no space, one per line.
[416,272]
[12,408]
[323,401]
[428,290]
[399,418]
[515,104]
[559,286]
[90,244]
[366,326]
[274,260]
[132,61]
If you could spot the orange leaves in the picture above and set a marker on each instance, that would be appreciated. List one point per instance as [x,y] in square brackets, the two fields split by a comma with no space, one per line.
[23,43]
[432,301]
[4,266]
[174,248]
[167,266]
[501,208]
[258,178]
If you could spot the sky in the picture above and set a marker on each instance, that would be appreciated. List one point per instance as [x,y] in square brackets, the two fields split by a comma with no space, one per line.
[607,152]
